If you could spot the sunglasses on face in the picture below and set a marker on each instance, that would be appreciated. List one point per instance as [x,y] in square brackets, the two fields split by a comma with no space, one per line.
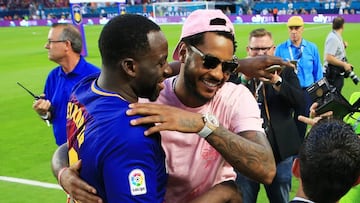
[211,62]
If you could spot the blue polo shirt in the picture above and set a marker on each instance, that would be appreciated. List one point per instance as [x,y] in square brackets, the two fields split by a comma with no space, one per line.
[309,68]
[121,162]
[58,87]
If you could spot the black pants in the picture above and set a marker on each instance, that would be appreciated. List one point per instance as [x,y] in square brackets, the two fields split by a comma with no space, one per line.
[335,76]
[337,81]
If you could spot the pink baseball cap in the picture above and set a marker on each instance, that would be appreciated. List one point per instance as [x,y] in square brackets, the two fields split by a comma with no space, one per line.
[203,20]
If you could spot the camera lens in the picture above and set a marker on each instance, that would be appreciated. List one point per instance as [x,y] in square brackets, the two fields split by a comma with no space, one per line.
[354,77]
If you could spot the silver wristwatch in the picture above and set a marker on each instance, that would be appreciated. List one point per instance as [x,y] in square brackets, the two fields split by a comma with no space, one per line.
[211,123]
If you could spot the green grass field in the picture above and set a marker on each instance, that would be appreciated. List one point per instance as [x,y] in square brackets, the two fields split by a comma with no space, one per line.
[27,144]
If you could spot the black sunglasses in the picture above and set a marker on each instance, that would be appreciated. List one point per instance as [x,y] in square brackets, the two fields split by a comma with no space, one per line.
[212,62]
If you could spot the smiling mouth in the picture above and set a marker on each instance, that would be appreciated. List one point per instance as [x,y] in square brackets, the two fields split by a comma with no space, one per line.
[211,84]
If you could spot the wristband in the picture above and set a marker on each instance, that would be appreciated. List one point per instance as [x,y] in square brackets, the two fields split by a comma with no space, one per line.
[59,176]
[45,117]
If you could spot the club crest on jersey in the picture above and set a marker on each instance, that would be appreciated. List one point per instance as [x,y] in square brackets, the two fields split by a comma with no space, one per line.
[77,17]
[137,182]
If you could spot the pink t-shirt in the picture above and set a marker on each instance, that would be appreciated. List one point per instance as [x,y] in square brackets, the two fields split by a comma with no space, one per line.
[194,166]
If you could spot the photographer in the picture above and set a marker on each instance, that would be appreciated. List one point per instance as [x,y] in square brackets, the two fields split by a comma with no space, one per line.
[335,62]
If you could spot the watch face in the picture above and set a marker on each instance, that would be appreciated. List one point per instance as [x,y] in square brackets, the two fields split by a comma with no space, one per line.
[213,120]
[211,123]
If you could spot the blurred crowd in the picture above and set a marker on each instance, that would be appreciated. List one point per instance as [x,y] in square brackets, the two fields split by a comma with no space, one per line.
[40,4]
[32,4]
[51,9]
[293,7]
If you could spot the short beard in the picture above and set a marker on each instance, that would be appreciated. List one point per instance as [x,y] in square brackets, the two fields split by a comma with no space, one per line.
[153,97]
[190,84]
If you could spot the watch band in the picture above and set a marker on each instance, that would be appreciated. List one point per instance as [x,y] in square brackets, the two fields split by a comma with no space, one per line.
[205,131]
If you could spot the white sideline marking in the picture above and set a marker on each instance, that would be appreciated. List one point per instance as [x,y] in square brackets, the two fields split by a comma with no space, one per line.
[30,182]
[318,27]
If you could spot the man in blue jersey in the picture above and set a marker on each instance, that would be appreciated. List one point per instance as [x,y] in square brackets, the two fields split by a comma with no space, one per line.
[117,159]
[64,46]
[306,56]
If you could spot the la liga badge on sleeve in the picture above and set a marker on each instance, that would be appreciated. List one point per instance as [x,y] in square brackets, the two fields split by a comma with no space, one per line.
[137,182]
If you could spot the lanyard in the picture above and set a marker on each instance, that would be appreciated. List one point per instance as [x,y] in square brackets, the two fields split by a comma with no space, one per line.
[256,94]
[298,56]
[257,88]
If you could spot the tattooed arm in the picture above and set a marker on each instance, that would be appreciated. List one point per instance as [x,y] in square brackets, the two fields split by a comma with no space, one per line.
[250,153]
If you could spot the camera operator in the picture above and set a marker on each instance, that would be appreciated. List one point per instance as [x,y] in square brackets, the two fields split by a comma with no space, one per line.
[335,62]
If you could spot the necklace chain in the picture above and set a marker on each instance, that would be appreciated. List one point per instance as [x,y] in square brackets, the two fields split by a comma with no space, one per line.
[174,83]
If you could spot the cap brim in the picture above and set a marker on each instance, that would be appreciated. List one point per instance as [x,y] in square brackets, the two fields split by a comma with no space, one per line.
[295,25]
[176,52]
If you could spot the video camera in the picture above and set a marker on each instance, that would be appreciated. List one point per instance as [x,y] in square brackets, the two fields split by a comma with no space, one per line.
[329,99]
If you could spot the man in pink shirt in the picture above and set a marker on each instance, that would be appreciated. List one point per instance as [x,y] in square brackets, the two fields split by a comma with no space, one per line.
[194,166]
[195,161]
[208,126]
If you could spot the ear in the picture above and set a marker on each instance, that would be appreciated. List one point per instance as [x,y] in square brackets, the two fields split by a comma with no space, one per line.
[68,45]
[129,66]
[247,49]
[296,168]
[182,52]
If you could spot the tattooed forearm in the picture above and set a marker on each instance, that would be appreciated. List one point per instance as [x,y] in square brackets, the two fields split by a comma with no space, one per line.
[190,123]
[249,153]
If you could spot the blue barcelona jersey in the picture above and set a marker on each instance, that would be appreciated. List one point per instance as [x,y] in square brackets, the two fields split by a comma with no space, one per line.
[58,89]
[121,162]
